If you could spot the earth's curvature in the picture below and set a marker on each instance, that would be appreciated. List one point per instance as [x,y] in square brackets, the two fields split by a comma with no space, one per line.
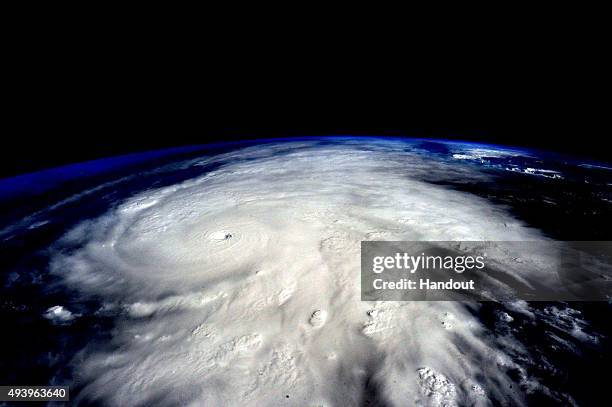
[229,275]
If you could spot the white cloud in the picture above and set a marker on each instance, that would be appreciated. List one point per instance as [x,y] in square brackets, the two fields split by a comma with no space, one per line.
[229,321]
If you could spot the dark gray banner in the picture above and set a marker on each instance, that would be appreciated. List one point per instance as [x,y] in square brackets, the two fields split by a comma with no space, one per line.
[34,393]
[486,271]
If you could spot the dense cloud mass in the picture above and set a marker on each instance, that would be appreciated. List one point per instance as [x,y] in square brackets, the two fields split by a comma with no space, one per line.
[242,286]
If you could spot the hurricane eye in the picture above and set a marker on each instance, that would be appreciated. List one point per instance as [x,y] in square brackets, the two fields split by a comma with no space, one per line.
[221,235]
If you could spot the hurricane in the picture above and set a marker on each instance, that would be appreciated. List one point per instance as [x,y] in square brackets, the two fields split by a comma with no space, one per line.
[240,284]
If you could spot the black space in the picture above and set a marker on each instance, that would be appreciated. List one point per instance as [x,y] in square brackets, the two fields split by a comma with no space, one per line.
[75,101]
[95,125]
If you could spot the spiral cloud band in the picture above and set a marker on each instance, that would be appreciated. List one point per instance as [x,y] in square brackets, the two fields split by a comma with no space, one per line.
[242,286]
